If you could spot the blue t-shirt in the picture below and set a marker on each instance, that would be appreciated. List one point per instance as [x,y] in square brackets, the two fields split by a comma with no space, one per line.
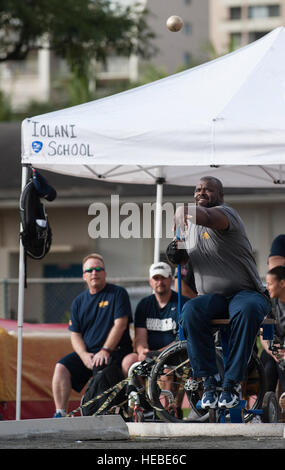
[93,316]
[161,323]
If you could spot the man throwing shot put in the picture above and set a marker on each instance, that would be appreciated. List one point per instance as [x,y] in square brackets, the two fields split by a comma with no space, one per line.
[228,285]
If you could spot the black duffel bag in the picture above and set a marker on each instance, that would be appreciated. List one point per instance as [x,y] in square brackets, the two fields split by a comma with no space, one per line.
[101,381]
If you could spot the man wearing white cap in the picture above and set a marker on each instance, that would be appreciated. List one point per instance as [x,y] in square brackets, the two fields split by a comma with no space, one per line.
[156,316]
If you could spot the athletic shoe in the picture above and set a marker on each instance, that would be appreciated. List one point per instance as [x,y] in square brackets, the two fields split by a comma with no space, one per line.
[282,402]
[210,396]
[59,414]
[230,395]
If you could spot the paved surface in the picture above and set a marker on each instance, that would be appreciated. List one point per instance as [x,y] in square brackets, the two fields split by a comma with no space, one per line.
[152,444]
[113,427]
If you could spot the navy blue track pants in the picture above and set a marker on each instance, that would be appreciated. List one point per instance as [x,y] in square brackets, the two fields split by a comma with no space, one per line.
[246,311]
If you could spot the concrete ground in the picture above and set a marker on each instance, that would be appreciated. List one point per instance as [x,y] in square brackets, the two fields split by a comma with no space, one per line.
[153,445]
[135,444]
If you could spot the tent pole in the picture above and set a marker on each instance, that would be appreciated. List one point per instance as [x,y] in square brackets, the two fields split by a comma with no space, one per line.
[21,287]
[158,219]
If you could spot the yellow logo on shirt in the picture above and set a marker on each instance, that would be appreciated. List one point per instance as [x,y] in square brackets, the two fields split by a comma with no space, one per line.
[104,303]
[205,235]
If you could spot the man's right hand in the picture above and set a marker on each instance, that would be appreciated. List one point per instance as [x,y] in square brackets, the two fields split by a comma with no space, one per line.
[142,353]
[87,359]
[176,255]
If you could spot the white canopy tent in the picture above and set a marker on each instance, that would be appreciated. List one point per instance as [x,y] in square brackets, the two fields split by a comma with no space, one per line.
[228,112]
[225,118]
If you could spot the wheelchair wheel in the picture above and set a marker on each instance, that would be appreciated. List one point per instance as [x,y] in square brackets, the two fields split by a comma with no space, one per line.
[195,396]
[269,408]
[167,392]
[174,402]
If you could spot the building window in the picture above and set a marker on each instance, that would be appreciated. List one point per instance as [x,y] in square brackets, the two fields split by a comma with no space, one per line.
[264,11]
[255,35]
[187,28]
[235,13]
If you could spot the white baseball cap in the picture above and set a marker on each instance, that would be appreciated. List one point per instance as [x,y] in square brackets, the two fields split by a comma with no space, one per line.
[160,269]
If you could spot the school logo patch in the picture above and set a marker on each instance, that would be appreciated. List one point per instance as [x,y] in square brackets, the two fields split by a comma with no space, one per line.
[37,146]
[103,303]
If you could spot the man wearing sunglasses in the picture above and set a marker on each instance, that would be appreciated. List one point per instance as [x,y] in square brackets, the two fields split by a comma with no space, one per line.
[99,325]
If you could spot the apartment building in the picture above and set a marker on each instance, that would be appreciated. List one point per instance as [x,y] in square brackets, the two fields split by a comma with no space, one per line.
[190,45]
[210,27]
[235,23]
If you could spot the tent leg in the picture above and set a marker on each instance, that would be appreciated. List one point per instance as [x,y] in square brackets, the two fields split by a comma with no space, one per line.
[158,219]
[21,288]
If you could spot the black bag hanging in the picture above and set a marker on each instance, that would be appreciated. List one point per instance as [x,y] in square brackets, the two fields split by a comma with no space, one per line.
[36,234]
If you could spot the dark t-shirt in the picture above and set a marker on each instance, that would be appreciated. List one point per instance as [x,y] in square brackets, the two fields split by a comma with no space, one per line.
[278,313]
[161,323]
[278,246]
[93,316]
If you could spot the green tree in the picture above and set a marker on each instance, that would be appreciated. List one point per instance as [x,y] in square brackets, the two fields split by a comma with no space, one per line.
[77,30]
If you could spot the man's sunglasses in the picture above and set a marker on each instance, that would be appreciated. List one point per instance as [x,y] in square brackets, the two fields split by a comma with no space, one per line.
[95,268]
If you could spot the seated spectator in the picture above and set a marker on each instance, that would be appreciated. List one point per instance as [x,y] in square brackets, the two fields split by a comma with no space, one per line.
[99,326]
[274,364]
[277,252]
[156,316]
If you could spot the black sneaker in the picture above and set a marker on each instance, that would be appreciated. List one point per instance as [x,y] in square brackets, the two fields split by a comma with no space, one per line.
[230,395]
[210,395]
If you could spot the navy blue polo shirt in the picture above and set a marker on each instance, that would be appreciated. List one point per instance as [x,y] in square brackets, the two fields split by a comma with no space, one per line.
[93,316]
[161,323]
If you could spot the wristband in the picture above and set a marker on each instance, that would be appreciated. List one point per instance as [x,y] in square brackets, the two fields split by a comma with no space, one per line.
[106,349]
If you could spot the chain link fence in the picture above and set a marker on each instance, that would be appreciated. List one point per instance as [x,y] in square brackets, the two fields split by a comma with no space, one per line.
[48,300]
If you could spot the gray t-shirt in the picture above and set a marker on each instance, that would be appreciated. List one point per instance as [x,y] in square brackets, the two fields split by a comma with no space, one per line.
[222,260]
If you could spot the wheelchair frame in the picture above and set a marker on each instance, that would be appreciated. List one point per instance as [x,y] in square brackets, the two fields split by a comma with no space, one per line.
[265,404]
[139,397]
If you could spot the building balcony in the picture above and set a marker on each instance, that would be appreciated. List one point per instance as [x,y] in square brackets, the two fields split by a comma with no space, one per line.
[251,24]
